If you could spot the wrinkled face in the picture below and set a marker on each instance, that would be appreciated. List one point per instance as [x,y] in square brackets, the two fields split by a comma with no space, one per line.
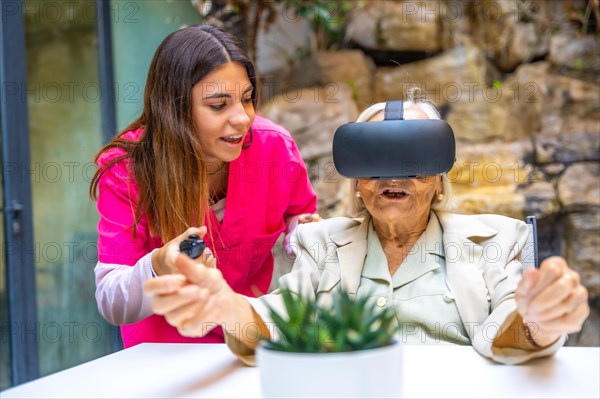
[409,199]
[222,110]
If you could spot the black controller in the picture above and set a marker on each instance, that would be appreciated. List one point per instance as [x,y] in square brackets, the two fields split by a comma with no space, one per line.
[193,246]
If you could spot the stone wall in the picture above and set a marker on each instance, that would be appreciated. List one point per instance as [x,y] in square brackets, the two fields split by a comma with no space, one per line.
[517,81]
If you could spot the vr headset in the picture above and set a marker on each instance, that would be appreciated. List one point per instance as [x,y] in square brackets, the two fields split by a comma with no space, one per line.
[394,148]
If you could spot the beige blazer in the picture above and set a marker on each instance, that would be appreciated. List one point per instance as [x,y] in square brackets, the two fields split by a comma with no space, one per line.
[483,269]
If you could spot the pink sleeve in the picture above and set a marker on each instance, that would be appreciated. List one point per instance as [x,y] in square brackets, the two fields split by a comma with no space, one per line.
[116,205]
[124,263]
[302,197]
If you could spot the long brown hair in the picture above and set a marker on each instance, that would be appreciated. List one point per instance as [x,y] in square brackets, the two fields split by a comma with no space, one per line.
[168,162]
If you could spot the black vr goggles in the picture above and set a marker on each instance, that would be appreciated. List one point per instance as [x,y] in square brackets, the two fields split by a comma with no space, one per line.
[394,148]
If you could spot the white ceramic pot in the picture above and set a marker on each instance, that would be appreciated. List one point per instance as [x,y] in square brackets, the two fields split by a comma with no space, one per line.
[372,373]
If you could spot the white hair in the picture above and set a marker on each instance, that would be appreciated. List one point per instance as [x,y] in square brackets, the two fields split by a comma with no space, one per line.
[424,107]
[357,206]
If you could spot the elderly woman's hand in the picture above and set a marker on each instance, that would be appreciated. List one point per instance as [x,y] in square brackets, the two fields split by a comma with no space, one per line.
[195,301]
[552,301]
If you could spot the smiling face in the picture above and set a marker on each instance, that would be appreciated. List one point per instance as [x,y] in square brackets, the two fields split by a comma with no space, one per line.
[223,111]
[404,201]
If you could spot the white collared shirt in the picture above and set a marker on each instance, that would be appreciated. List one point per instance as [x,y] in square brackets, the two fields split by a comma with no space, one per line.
[425,307]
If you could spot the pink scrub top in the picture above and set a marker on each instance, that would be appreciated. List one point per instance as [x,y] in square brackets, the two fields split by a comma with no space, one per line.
[267,183]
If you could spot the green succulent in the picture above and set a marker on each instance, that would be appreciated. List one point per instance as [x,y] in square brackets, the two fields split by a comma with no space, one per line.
[348,325]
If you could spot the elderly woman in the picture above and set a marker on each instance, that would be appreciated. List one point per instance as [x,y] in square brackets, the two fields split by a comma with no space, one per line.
[409,252]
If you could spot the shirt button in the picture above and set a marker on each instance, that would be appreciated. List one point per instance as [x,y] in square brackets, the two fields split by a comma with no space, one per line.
[381,301]
[448,297]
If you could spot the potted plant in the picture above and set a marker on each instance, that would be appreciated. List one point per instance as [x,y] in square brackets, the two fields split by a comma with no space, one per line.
[349,349]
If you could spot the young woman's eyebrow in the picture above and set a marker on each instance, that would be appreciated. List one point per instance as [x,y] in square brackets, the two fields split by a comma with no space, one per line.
[218,95]
[227,95]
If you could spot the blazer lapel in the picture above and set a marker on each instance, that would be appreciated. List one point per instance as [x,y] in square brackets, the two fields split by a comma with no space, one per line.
[464,278]
[463,266]
[351,252]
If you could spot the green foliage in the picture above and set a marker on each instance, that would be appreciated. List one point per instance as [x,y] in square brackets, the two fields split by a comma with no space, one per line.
[354,89]
[327,18]
[348,325]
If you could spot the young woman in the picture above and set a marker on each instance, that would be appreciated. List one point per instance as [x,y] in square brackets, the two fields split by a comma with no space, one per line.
[197,161]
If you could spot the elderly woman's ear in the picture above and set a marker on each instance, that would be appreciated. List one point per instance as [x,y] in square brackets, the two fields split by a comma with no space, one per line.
[438,195]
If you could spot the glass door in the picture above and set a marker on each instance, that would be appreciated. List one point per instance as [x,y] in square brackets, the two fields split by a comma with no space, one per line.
[5,374]
[60,97]
[63,99]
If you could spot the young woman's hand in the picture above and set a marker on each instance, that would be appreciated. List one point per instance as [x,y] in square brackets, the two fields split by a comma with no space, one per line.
[163,260]
[308,218]
[552,301]
[292,222]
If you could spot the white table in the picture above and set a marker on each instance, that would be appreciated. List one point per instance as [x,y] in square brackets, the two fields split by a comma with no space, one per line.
[188,370]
